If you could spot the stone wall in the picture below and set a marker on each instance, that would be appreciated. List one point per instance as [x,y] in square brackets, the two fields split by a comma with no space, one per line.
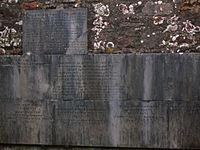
[116,26]
[126,100]
[142,100]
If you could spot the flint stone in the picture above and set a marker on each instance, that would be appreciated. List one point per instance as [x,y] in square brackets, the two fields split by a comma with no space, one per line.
[153,8]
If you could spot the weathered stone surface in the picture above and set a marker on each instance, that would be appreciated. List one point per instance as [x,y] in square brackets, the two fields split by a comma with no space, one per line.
[55,31]
[142,100]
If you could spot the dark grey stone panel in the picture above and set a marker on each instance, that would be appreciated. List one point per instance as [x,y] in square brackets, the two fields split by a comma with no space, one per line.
[184,124]
[143,100]
[55,31]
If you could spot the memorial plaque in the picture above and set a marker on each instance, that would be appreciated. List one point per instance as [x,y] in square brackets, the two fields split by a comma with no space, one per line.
[55,31]
[101,100]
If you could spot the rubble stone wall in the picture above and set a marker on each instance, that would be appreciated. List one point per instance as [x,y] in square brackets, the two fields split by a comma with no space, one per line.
[116,26]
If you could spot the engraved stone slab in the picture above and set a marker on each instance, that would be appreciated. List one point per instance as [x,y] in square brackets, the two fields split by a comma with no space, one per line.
[55,31]
[144,100]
